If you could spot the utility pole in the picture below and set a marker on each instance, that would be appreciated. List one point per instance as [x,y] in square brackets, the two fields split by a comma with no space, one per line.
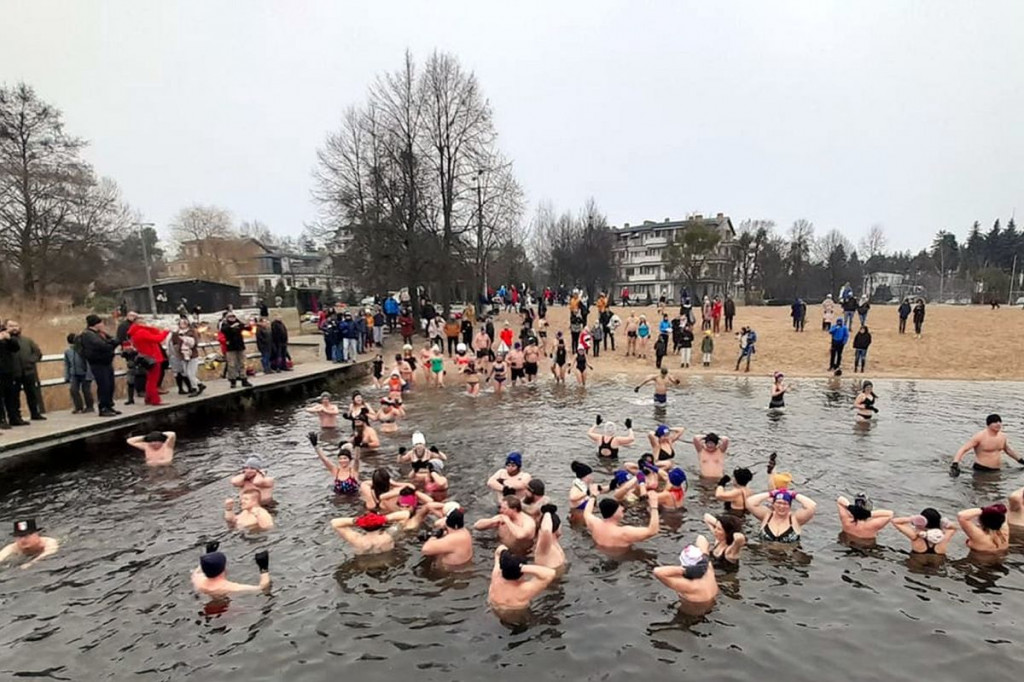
[149,272]
[1013,276]
[480,255]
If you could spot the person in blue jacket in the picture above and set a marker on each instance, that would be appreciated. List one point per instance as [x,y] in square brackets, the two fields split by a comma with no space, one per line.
[840,334]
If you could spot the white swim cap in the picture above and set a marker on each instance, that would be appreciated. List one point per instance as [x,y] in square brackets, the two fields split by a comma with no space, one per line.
[418,439]
[460,348]
[690,556]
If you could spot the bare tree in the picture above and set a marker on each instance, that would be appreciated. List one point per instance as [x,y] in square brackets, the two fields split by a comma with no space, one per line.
[687,255]
[874,242]
[833,250]
[260,231]
[801,237]
[201,222]
[751,243]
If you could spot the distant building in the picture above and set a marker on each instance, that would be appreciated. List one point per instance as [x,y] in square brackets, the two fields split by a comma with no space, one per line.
[639,254]
[210,296]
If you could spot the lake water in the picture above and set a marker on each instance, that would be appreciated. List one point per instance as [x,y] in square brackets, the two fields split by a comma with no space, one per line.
[116,603]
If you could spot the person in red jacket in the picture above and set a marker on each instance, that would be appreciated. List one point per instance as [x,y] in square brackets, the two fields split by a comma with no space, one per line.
[147,341]
[716,314]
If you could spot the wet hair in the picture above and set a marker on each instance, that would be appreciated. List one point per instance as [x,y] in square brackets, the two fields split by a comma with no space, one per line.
[730,526]
[993,517]
[513,502]
[859,512]
[742,475]
[380,482]
[608,507]
[993,419]
[933,519]
[511,565]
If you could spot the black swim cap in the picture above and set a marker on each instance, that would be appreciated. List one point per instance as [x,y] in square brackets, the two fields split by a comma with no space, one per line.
[213,564]
[535,486]
[455,519]
[580,469]
[993,419]
[608,507]
[511,565]
[551,509]
[742,475]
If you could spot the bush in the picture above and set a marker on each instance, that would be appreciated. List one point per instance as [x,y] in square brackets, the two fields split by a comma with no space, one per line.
[103,305]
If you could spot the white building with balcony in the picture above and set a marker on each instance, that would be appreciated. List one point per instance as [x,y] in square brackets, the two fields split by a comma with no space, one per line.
[639,254]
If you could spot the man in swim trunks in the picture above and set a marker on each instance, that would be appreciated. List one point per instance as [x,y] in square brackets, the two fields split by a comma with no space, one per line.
[515,527]
[531,358]
[711,454]
[512,477]
[158,446]
[376,537]
[453,543]
[510,588]
[251,516]
[326,411]
[535,498]
[517,361]
[28,543]
[210,577]
[363,435]
[608,531]
[988,445]
[254,478]
[694,579]
[661,383]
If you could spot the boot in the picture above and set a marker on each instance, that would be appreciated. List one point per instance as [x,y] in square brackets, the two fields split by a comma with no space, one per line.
[246,384]
[233,382]
[202,387]
[178,380]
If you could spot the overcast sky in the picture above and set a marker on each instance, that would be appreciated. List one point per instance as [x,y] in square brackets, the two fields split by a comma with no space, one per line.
[907,114]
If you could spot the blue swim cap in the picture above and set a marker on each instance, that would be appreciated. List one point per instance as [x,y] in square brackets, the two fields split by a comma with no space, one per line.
[213,564]
[677,477]
[661,431]
[515,458]
[621,476]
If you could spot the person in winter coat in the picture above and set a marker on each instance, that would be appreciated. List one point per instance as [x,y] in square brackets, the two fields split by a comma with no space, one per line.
[918,317]
[730,312]
[264,345]
[685,345]
[25,375]
[78,377]
[707,347]
[862,309]
[234,349]
[407,327]
[904,313]
[849,308]
[279,355]
[798,311]
[147,341]
[861,342]
[840,334]
[98,350]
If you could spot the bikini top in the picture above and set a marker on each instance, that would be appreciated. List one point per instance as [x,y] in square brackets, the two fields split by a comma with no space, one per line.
[788,536]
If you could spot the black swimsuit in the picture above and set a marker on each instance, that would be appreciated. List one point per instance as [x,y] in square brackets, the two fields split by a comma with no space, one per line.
[560,356]
[605,449]
[665,455]
[720,561]
[777,400]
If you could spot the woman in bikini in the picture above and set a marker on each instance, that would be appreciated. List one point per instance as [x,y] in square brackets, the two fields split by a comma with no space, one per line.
[358,406]
[661,440]
[779,523]
[729,541]
[986,528]
[345,471]
[865,402]
[472,378]
[499,372]
[859,520]
[390,410]
[735,498]
[608,443]
[928,532]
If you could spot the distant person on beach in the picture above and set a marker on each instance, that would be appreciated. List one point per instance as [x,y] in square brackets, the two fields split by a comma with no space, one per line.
[798,311]
[989,444]
[748,347]
[918,315]
[661,382]
[904,313]
[28,544]
[861,343]
[158,446]
[862,309]
[840,334]
[707,348]
[828,313]
[514,582]
[730,312]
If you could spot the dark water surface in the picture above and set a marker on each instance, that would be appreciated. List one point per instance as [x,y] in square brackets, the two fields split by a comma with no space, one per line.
[116,603]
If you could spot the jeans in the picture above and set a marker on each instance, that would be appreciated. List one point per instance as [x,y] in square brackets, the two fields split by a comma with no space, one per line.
[595,350]
[859,356]
[104,376]
[80,389]
[236,365]
[835,359]
[337,352]
[192,372]
[903,325]
[378,335]
[351,349]
[265,361]
[863,318]
[848,319]
[728,323]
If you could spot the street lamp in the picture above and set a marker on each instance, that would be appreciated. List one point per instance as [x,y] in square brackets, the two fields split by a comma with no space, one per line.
[149,272]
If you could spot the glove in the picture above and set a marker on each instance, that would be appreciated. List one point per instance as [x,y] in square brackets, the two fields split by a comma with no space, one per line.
[641,478]
[724,481]
[636,389]
[433,448]
[439,533]
[212,546]
[629,423]
[313,438]
[506,492]
[598,420]
[954,469]
[874,409]
[402,450]
[424,534]
[263,561]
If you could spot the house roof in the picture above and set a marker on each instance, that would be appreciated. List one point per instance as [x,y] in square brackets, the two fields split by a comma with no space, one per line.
[719,221]
[178,280]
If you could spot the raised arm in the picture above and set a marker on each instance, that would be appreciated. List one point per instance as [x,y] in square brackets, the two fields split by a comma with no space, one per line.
[644,383]
[137,442]
[904,526]
[542,577]
[807,509]
[636,534]
[594,434]
[966,520]
[172,439]
[497,481]
[755,505]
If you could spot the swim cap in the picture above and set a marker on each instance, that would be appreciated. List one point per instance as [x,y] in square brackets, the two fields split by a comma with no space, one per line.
[661,431]
[371,521]
[253,462]
[535,486]
[418,439]
[609,428]
[621,477]
[514,458]
[690,556]
[154,437]
[345,449]
[780,481]
[551,509]
[993,517]
[786,496]
[213,564]
[449,507]
[608,507]
[580,469]
[460,348]
[511,565]
[677,477]
[436,465]
[455,519]
[407,346]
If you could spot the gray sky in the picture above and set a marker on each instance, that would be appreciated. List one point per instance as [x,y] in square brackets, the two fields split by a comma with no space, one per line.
[906,114]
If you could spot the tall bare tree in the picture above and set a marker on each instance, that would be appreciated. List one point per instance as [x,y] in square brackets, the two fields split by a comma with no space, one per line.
[833,250]
[753,239]
[201,222]
[801,237]
[874,242]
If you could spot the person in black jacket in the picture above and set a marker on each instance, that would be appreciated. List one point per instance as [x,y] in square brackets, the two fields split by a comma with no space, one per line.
[265,344]
[279,345]
[26,377]
[730,312]
[98,350]
[232,329]
[10,408]
[861,341]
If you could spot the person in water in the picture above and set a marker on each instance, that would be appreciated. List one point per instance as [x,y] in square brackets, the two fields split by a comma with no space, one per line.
[413,506]
[859,519]
[583,487]
[662,440]
[928,532]
[388,414]
[363,435]
[559,360]
[29,544]
[535,498]
[326,411]
[581,365]
[779,523]
[251,516]
[694,578]
[673,495]
[605,435]
[735,498]
[989,445]
[1015,514]
[253,477]
[607,529]
[729,541]
[452,544]
[514,582]
[372,491]
[158,446]
[472,377]
[374,536]
[420,452]
[711,454]
[345,471]
[210,577]
[661,381]
[986,528]
[865,402]
[499,372]
[779,388]
[511,479]
[515,527]
[547,552]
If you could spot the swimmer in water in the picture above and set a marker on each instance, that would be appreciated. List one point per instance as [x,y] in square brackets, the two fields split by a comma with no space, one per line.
[253,477]
[390,410]
[1015,515]
[694,578]
[420,452]
[356,408]
[512,477]
[661,440]
[547,551]
[373,537]
[472,377]
[499,372]
[413,506]
[373,490]
[711,454]
[989,446]
[211,577]
[779,388]
[928,532]
[517,363]
[29,544]
[452,544]
[608,443]
[865,402]
[735,498]
[363,435]
[436,363]
[251,515]
[345,471]
[515,527]
[531,359]
[559,360]
[405,370]
[859,519]
[326,411]
[661,383]
[583,487]
[378,371]
[581,366]
[535,498]
[158,446]
[779,523]
[514,583]
[729,541]
[986,528]
[396,385]
[608,531]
